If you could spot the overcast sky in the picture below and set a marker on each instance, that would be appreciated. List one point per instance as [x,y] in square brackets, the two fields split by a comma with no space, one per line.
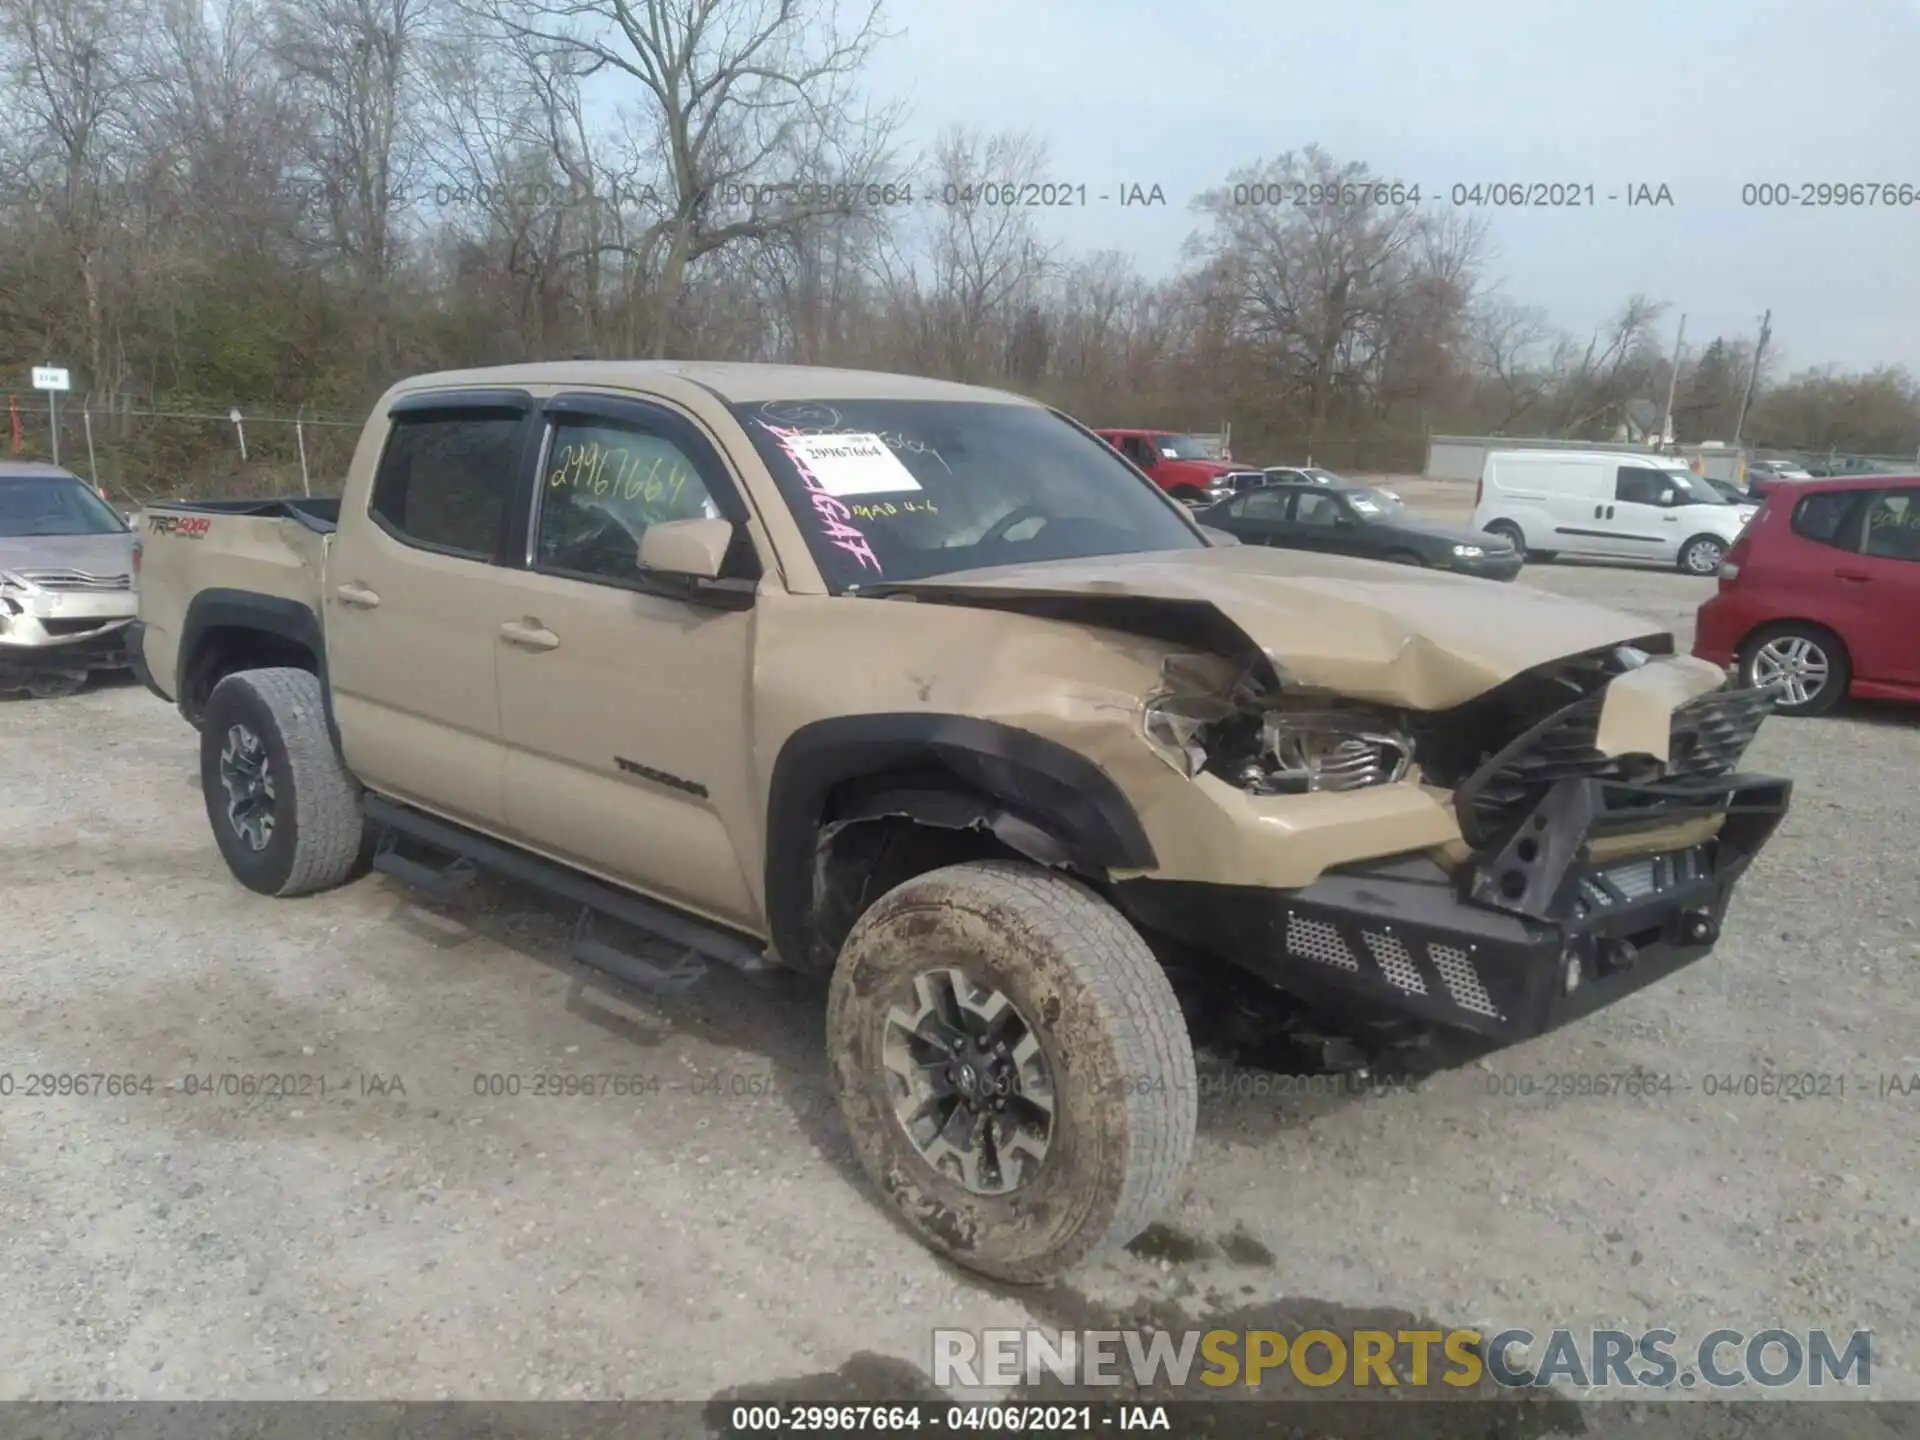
[1700,95]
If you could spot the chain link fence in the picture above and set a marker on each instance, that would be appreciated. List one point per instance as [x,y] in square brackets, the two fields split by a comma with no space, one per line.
[136,451]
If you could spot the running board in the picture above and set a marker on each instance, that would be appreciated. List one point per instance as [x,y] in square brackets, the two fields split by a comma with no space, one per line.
[694,943]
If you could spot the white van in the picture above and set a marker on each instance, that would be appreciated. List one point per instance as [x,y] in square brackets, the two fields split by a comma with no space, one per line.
[1617,505]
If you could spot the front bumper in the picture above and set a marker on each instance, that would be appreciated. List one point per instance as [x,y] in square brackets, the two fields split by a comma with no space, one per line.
[30,647]
[1403,938]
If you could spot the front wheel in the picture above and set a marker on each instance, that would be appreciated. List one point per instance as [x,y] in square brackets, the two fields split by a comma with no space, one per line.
[1702,555]
[285,813]
[1012,1066]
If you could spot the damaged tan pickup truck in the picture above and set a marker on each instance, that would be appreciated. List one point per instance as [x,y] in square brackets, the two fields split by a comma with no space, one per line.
[924,689]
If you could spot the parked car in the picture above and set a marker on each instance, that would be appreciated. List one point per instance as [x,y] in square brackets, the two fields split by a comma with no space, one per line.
[67,563]
[1821,595]
[1185,466]
[818,669]
[1606,504]
[1729,491]
[1313,475]
[1346,519]
[1764,475]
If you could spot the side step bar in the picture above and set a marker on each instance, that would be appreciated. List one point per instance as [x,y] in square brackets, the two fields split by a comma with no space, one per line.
[461,855]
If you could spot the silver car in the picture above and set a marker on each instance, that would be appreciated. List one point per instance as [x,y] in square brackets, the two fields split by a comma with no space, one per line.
[66,581]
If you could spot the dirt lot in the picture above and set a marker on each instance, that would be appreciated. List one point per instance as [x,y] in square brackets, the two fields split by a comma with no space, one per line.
[405,1235]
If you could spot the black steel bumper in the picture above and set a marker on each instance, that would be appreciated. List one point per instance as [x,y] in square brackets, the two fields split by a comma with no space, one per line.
[1498,957]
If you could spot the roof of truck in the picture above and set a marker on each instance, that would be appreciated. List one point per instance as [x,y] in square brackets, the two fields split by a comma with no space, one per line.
[734,382]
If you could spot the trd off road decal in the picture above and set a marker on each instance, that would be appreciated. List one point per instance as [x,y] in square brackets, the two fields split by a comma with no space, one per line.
[187,527]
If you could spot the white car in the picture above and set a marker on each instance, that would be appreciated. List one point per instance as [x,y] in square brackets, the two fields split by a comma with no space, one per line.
[1314,475]
[1607,504]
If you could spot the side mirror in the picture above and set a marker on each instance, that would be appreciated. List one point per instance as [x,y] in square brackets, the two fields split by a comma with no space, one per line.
[693,548]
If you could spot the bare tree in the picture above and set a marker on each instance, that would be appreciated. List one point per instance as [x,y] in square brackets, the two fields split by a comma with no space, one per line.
[734,94]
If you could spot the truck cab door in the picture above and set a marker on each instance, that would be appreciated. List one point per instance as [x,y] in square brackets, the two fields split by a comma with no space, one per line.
[411,582]
[1140,451]
[625,701]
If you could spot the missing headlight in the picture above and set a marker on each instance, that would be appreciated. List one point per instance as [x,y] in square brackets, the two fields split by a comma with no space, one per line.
[1204,719]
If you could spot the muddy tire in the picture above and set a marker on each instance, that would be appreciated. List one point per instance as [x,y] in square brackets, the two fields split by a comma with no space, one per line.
[1092,1009]
[285,813]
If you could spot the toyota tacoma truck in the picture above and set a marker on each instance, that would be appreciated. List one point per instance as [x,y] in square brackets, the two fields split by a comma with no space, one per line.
[921,689]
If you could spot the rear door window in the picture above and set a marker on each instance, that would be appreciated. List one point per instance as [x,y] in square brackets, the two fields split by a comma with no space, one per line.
[446,479]
[1832,518]
[1893,525]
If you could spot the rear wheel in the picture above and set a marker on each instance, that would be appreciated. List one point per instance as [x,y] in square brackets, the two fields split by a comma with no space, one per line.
[1702,555]
[1012,1066]
[1809,665]
[1512,534]
[285,813]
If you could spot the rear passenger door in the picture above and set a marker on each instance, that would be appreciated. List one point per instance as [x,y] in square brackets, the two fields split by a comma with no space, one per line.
[1886,645]
[1260,516]
[411,586]
[626,707]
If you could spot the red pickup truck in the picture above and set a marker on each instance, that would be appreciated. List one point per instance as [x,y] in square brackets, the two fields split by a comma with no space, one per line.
[1183,465]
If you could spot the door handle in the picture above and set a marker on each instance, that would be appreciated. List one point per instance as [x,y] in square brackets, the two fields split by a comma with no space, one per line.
[1597,512]
[1671,519]
[358,596]
[529,635]
[1859,576]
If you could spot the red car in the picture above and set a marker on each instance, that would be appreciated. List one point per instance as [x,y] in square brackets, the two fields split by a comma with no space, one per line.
[1821,594]
[1183,465]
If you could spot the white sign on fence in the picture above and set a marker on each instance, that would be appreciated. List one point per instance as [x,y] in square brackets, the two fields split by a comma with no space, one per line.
[49,377]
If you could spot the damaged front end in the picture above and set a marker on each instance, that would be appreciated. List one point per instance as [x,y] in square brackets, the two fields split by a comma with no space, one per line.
[1601,825]
[57,626]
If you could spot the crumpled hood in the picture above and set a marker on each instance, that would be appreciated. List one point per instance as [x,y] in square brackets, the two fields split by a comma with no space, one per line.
[103,555]
[1365,630]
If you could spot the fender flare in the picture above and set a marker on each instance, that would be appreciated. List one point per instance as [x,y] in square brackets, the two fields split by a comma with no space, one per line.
[1040,796]
[227,609]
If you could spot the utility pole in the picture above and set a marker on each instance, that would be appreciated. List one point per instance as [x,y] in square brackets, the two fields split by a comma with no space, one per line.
[1753,374]
[1673,380]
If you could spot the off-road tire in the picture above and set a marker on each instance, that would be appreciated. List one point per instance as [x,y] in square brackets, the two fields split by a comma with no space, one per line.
[1682,561]
[1112,1033]
[319,828]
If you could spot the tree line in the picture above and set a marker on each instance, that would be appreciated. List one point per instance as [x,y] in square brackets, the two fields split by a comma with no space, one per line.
[276,203]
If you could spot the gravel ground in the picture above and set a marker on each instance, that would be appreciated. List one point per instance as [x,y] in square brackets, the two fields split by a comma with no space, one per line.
[404,1236]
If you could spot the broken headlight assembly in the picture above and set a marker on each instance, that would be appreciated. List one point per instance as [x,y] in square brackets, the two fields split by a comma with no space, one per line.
[1266,744]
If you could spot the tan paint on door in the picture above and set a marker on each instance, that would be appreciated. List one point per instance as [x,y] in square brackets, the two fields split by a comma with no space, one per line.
[412,674]
[655,682]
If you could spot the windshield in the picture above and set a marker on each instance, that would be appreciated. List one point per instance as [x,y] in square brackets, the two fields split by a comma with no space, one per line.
[1373,504]
[54,505]
[1187,447]
[906,489]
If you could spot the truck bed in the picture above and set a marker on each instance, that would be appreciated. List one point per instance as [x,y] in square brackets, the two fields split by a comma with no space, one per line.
[210,550]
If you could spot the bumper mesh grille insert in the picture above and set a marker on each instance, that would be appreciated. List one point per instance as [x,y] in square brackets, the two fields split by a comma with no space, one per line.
[1317,940]
[1463,981]
[1396,964]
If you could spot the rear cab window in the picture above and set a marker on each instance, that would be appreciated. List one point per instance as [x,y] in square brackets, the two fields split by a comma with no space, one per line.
[889,489]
